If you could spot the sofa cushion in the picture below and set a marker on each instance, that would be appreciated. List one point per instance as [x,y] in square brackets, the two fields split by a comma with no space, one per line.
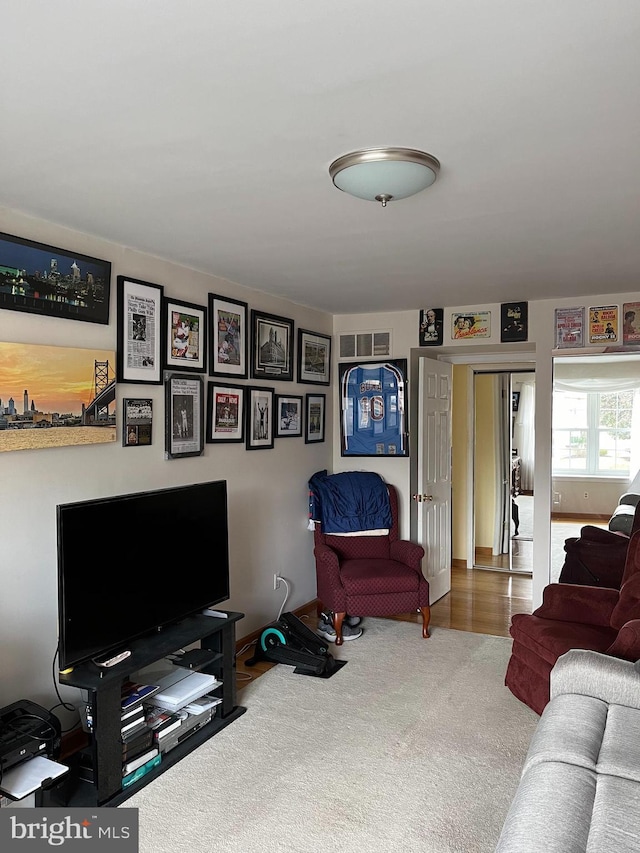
[390,577]
[614,822]
[628,606]
[551,811]
[550,638]
[570,730]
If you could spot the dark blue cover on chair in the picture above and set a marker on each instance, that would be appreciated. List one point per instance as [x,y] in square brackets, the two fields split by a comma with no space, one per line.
[349,502]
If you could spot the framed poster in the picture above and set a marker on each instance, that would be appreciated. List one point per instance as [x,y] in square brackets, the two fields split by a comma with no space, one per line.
[259,418]
[288,416]
[56,396]
[431,327]
[225,413]
[137,414]
[569,327]
[271,346]
[315,418]
[603,324]
[184,415]
[514,322]
[631,324]
[139,331]
[314,358]
[42,279]
[373,413]
[471,325]
[227,337]
[185,335]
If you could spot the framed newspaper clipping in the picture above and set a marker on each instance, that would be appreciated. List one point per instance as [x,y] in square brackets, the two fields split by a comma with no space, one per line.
[184,415]
[139,332]
[225,413]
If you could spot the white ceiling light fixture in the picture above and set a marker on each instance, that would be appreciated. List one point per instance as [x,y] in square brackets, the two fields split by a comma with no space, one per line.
[384,174]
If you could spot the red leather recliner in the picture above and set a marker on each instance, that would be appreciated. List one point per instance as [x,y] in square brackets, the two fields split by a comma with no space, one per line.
[370,575]
[574,617]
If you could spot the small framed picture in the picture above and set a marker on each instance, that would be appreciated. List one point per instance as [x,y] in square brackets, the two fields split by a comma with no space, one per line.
[259,418]
[225,413]
[185,335]
[227,337]
[431,327]
[184,415]
[315,417]
[514,322]
[288,416]
[136,421]
[271,346]
[314,358]
[139,331]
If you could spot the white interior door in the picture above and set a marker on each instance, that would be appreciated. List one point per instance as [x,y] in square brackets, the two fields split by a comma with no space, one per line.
[433,495]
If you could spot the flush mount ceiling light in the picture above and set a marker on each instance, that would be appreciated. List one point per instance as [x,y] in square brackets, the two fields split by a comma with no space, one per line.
[384,174]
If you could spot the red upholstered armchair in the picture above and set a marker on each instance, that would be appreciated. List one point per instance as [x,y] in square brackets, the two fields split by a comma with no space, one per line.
[370,575]
[574,617]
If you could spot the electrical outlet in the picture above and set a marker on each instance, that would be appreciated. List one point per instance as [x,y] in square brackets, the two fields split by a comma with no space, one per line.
[276,581]
[586,496]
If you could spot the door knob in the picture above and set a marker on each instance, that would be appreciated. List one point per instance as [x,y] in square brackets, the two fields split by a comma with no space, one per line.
[421,498]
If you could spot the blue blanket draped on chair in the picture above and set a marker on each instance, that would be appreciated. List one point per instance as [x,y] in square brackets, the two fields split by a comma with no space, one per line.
[349,502]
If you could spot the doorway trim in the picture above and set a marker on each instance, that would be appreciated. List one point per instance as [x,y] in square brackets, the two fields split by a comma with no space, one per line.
[514,357]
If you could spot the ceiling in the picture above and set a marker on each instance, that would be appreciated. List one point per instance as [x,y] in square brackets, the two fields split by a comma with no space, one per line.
[202,132]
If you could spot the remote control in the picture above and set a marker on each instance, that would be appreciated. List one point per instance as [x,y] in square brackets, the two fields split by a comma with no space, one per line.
[218,613]
[114,660]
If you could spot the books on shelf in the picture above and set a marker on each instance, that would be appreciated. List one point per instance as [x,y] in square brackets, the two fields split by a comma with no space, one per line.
[130,778]
[132,765]
[181,687]
[137,743]
[202,704]
[134,694]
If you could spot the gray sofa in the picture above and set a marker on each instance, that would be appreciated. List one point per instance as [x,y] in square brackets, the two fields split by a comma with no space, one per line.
[580,787]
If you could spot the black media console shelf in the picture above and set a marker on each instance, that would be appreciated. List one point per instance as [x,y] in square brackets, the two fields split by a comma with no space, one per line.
[105,697]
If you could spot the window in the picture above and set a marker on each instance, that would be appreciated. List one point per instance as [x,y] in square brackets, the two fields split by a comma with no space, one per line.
[592,432]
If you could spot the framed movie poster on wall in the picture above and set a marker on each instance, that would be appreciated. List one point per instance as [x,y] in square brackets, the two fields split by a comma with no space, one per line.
[225,413]
[228,335]
[373,408]
[42,279]
[271,346]
[139,331]
[514,322]
[431,327]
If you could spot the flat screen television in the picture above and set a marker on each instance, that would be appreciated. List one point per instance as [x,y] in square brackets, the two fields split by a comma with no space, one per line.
[132,564]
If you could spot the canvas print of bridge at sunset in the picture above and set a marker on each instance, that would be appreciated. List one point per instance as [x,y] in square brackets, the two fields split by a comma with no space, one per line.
[56,396]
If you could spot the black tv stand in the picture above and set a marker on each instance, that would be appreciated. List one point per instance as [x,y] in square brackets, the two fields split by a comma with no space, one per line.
[105,688]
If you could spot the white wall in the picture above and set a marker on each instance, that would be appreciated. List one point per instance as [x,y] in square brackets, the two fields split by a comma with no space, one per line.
[267,488]
[541,343]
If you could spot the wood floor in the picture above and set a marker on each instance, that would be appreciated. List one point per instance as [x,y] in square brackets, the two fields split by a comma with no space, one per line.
[480,601]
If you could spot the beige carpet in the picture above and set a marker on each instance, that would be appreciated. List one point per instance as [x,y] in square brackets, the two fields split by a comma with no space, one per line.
[414,745]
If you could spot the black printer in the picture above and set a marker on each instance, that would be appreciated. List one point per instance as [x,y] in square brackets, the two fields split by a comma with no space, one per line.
[27,730]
